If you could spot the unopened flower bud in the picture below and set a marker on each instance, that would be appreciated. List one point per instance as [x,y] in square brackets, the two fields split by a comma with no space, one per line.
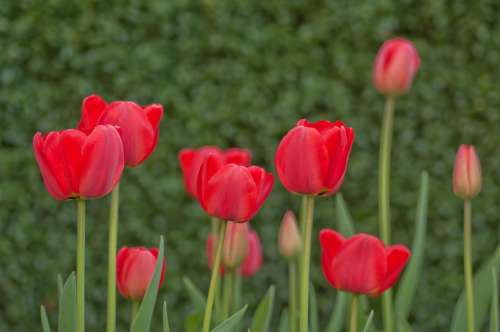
[289,242]
[466,173]
[235,244]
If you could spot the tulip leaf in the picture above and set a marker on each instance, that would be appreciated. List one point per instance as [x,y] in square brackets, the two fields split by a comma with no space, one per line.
[67,305]
[193,322]
[142,321]
[263,314]
[368,325]
[232,322]
[409,281]
[166,325]
[313,309]
[344,219]
[494,303]
[284,325]
[197,297]
[339,312]
[403,325]
[483,287]
[60,285]
[45,320]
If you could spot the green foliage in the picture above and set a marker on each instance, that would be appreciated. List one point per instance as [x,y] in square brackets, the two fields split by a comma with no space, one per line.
[264,313]
[45,320]
[240,73]
[166,324]
[67,306]
[232,322]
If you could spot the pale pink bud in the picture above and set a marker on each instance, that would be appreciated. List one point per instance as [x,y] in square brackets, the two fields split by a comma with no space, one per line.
[466,173]
[235,244]
[289,242]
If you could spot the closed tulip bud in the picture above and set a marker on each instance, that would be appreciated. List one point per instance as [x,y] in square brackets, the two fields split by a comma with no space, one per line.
[134,270]
[235,247]
[253,262]
[289,242]
[466,173]
[396,64]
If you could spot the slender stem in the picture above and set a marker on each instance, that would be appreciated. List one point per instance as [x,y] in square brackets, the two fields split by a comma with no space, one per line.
[353,327]
[292,274]
[237,291]
[384,199]
[218,304]
[133,312]
[468,265]
[112,240]
[80,267]
[213,279]
[306,257]
[228,292]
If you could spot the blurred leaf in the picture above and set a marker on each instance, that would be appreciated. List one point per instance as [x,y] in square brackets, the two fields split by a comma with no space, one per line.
[142,321]
[409,281]
[284,325]
[344,220]
[232,322]
[45,320]
[494,303]
[368,324]
[313,309]
[263,314]
[339,311]
[59,286]
[166,325]
[197,297]
[403,325]
[482,294]
[193,322]
[67,305]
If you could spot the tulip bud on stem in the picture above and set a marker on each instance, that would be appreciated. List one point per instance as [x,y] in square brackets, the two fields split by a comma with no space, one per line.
[207,317]
[80,266]
[307,213]
[353,326]
[112,240]
[469,290]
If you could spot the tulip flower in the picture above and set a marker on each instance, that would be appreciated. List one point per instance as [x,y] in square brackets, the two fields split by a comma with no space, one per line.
[312,158]
[396,64]
[134,271]
[361,264]
[232,192]
[139,125]
[289,241]
[74,164]
[466,173]
[192,159]
[253,260]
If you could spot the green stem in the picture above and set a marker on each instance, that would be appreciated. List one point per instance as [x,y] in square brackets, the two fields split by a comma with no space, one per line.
[353,326]
[228,292]
[468,265]
[207,317]
[133,312]
[306,257]
[384,199]
[80,267]
[217,304]
[112,240]
[237,291]
[292,274]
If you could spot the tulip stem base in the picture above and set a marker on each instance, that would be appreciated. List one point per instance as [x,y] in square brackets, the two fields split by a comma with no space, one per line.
[228,292]
[468,265]
[112,241]
[133,312]
[307,224]
[207,317]
[80,266]
[292,274]
[353,326]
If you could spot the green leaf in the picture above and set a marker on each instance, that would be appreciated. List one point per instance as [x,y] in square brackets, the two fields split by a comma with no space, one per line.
[339,312]
[193,322]
[313,309]
[482,295]
[45,320]
[59,286]
[232,322]
[409,281]
[494,303]
[263,314]
[166,325]
[368,324]
[403,325]
[344,220]
[142,321]
[197,297]
[284,325]
[67,305]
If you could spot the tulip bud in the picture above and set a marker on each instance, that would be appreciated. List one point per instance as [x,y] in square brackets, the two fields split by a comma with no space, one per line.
[289,242]
[466,173]
[235,247]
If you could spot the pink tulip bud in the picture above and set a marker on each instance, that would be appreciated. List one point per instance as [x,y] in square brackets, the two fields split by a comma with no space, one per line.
[289,242]
[466,173]
[395,66]
[235,247]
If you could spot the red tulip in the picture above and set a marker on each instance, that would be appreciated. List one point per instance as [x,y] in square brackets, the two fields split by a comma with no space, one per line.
[76,165]
[134,271]
[312,157]
[191,161]
[361,264]
[232,192]
[467,173]
[396,64]
[139,125]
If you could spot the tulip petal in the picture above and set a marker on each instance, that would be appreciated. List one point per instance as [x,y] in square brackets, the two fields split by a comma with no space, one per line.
[154,113]
[331,242]
[397,257]
[93,107]
[264,182]
[208,168]
[253,262]
[238,156]
[70,143]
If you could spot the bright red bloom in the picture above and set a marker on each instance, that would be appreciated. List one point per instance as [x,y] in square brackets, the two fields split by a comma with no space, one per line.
[361,264]
[312,158]
[76,165]
[134,270]
[139,125]
[232,192]
[396,64]
[192,159]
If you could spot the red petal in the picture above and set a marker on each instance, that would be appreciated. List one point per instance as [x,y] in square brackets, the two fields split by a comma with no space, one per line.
[331,242]
[93,107]
[238,156]
[338,142]
[397,257]
[253,262]
[154,114]
[209,167]
[264,182]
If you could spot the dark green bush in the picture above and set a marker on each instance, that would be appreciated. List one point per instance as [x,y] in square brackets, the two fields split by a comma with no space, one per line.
[236,73]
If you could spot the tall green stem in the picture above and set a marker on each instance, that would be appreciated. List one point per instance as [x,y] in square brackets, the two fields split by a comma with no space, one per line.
[207,317]
[112,240]
[80,267]
[228,292]
[468,265]
[384,199]
[306,257]
[133,312]
[217,304]
[237,291]
[353,326]
[292,274]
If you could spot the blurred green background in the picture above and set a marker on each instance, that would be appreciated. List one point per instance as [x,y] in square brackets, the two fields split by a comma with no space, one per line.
[237,73]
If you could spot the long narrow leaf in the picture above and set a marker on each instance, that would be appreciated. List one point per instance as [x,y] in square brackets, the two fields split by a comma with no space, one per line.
[494,303]
[409,282]
[368,324]
[166,325]
[344,219]
[339,311]
[60,286]
[67,306]
[232,322]
[313,309]
[284,322]
[142,321]
[264,312]
[403,325]
[45,320]
[193,322]
[196,296]
[482,295]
